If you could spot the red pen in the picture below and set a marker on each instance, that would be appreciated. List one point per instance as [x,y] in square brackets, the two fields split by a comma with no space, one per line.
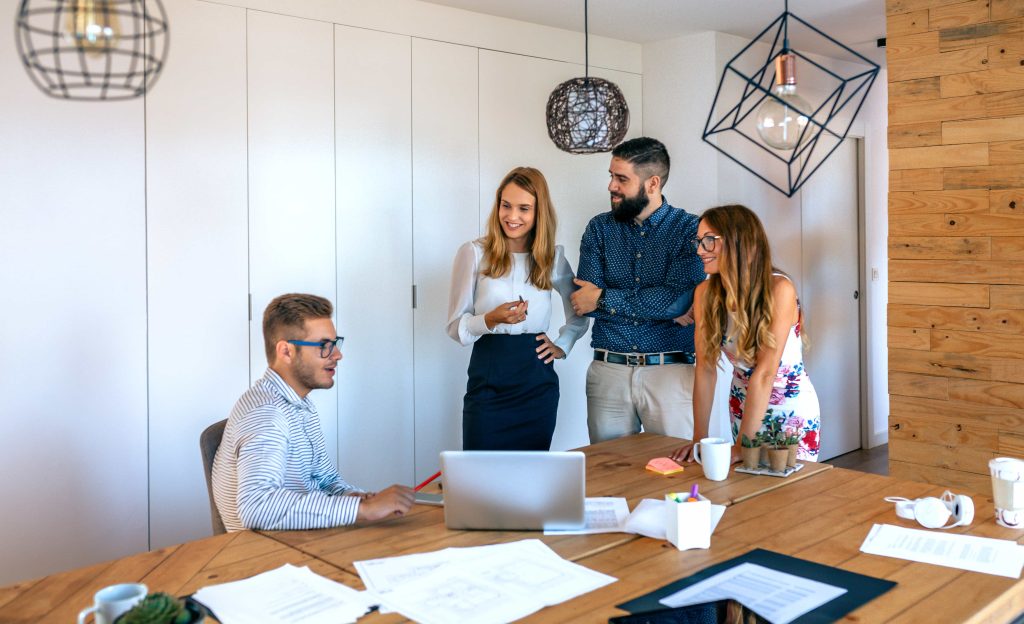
[427,482]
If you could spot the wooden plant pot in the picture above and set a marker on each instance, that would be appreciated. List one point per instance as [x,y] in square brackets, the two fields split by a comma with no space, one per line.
[751,457]
[791,458]
[777,458]
[763,460]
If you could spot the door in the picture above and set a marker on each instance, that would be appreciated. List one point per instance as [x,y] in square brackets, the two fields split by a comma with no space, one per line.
[830,296]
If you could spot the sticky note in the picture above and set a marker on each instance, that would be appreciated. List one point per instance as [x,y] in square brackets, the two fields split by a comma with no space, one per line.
[664,465]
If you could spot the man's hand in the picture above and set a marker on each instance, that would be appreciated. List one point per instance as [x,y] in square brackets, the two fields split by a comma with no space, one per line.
[548,351]
[585,299]
[393,501]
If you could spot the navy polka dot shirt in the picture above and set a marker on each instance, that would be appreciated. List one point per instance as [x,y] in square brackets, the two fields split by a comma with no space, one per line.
[648,272]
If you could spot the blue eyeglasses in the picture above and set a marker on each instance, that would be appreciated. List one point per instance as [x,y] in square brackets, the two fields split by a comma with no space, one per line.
[326,345]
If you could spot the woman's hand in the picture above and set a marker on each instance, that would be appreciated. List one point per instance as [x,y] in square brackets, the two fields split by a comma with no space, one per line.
[737,453]
[548,351]
[684,454]
[509,313]
[686,318]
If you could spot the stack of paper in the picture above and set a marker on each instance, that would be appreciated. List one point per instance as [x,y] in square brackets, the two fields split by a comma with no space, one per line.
[485,584]
[953,550]
[284,596]
[601,515]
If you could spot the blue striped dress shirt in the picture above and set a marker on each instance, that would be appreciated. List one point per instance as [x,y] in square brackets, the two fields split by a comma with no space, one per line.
[272,470]
[648,272]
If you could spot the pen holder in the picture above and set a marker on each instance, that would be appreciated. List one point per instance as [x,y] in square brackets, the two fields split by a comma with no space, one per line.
[688,525]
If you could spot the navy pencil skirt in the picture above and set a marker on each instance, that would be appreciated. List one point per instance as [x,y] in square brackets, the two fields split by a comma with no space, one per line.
[511,397]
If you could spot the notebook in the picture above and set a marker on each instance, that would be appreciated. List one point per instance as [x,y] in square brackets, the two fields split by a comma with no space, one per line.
[513,490]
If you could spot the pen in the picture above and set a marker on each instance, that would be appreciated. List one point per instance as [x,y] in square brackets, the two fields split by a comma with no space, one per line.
[527,313]
[425,483]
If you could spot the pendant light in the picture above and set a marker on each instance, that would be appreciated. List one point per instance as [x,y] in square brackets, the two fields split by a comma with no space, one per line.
[92,49]
[587,115]
[779,131]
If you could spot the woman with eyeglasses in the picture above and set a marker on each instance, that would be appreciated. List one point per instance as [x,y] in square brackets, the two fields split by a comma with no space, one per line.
[500,302]
[750,310]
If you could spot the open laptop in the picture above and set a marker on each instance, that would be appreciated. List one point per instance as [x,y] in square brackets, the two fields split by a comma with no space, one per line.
[517,490]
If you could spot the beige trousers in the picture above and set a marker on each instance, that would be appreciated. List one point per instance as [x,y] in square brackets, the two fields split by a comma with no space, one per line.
[621,399]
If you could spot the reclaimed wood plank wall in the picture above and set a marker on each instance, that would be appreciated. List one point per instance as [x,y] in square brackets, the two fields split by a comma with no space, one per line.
[956,237]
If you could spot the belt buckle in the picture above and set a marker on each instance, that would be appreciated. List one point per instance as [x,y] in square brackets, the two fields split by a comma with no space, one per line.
[635,359]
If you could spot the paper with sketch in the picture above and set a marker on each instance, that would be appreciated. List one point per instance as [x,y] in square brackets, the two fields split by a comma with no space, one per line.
[496,583]
[776,596]
[648,518]
[602,515]
[953,550]
[284,596]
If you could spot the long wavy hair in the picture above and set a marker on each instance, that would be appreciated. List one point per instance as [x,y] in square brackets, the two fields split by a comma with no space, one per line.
[540,241]
[741,291]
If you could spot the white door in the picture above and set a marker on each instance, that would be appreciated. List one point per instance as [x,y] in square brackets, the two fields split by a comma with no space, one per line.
[829,208]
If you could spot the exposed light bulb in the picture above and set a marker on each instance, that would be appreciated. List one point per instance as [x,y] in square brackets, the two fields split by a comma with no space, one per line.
[93,25]
[780,124]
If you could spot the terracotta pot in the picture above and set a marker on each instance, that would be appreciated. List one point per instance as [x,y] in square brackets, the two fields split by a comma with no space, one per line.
[791,459]
[764,455]
[751,457]
[777,458]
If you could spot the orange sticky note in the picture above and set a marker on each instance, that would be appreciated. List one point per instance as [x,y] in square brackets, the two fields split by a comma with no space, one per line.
[664,465]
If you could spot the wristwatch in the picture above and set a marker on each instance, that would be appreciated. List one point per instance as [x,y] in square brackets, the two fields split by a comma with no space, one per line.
[600,300]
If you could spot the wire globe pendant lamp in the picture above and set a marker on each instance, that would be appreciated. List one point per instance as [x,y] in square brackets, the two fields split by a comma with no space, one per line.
[92,49]
[587,115]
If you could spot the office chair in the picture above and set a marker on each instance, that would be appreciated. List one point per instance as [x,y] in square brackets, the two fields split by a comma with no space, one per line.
[209,442]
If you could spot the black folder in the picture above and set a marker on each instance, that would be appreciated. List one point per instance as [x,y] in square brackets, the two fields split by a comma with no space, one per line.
[860,589]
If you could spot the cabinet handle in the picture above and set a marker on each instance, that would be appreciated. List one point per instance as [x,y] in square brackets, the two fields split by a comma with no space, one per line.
[414,296]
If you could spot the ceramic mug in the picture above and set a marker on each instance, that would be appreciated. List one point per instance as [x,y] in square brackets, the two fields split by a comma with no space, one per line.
[714,454]
[1008,491]
[112,601]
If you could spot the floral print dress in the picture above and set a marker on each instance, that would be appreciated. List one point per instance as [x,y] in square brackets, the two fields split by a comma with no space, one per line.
[793,402]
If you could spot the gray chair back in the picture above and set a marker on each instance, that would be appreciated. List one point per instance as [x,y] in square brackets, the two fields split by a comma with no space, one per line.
[209,442]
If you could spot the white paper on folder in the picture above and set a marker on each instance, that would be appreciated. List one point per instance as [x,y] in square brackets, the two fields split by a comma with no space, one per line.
[603,515]
[953,550]
[286,595]
[500,585]
[776,596]
[648,518]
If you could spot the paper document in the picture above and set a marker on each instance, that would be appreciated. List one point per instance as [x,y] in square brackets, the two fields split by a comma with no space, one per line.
[603,515]
[484,584]
[966,552]
[283,596]
[776,596]
[648,518]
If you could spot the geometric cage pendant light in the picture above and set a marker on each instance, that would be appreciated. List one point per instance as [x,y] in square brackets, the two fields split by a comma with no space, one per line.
[92,49]
[587,115]
[777,127]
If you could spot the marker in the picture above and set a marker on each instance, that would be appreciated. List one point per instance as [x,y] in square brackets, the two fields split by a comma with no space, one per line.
[693,495]
[427,482]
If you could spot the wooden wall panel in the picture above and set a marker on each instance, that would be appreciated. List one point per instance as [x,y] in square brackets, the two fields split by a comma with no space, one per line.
[956,246]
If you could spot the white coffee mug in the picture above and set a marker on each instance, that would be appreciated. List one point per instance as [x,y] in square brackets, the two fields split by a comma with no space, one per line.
[112,601]
[714,455]
[1008,491]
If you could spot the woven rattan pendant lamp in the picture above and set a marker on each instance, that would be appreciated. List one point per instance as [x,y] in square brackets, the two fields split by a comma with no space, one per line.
[587,115]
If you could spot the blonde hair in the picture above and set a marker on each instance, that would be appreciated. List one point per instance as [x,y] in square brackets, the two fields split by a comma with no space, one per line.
[741,291]
[541,240]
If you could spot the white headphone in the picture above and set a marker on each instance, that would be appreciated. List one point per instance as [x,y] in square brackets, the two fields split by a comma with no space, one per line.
[932,513]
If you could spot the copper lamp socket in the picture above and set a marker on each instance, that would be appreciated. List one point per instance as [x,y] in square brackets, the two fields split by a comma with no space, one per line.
[785,69]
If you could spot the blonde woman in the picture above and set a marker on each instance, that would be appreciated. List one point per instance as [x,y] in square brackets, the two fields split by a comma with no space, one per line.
[749,309]
[500,302]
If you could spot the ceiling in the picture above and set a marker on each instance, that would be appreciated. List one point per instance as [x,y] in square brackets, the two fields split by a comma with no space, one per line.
[856,23]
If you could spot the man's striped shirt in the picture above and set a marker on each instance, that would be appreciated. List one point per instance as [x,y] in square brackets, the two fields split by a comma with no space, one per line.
[272,470]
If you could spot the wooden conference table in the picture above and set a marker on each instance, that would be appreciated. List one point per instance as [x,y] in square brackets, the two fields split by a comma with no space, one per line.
[820,514]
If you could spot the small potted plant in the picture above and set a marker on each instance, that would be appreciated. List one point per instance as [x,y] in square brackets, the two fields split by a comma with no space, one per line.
[792,444]
[751,450]
[161,608]
[775,440]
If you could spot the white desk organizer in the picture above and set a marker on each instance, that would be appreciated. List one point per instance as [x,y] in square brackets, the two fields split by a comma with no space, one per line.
[688,525]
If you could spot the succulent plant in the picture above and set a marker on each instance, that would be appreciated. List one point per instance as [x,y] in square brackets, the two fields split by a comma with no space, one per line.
[159,608]
[748,443]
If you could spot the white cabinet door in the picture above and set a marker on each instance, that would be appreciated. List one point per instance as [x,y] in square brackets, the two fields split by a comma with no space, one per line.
[374,225]
[197,259]
[445,215]
[514,92]
[291,174]
[73,448]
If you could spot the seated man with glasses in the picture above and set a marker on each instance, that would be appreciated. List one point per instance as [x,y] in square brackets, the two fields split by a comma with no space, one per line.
[272,470]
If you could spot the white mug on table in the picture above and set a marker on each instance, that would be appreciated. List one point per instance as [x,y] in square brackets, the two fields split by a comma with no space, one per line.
[112,601]
[715,455]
